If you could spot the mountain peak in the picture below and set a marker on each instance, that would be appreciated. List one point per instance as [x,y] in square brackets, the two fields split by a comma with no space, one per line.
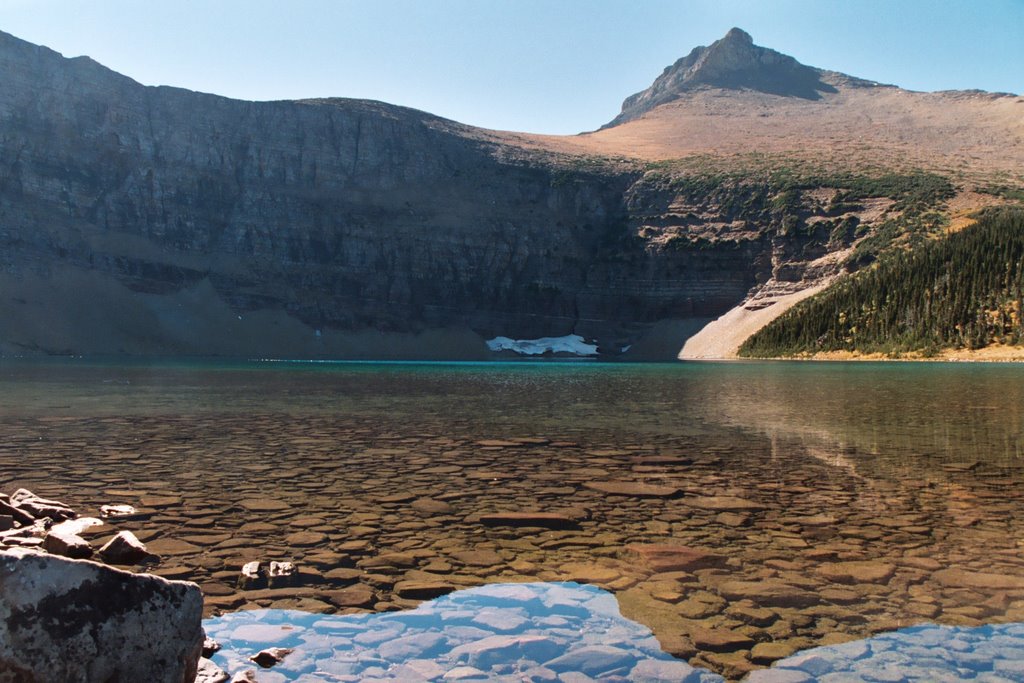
[737,35]
[733,62]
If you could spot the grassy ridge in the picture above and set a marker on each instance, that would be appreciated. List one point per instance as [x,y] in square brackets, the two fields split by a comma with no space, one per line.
[964,291]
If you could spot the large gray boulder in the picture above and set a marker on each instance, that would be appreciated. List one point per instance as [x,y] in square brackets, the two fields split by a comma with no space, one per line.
[78,621]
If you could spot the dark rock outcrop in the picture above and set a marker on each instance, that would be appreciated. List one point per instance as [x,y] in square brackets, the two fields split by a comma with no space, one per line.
[75,620]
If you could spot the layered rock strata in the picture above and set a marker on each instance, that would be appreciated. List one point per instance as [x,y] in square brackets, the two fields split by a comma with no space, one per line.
[141,220]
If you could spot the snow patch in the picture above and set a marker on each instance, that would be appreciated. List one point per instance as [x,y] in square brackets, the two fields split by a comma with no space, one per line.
[571,343]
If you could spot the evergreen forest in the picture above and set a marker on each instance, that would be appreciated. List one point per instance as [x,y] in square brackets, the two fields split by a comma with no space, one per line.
[965,290]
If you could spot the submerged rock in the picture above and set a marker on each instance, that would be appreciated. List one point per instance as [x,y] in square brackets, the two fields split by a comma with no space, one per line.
[422,590]
[670,558]
[550,520]
[960,578]
[633,489]
[857,572]
[271,656]
[74,620]
[593,660]
[769,592]
[210,672]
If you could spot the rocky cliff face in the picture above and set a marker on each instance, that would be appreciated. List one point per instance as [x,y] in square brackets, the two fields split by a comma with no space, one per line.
[149,220]
[338,214]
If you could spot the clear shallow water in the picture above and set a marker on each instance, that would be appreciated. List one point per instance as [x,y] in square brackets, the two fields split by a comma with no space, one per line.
[510,632]
[891,492]
[566,631]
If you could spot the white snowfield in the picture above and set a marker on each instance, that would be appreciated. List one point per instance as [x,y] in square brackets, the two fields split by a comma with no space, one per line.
[570,343]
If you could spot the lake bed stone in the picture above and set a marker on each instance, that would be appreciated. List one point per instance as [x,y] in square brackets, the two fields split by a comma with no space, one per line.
[633,489]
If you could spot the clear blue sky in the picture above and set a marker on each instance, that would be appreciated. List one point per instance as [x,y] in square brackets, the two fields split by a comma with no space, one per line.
[549,66]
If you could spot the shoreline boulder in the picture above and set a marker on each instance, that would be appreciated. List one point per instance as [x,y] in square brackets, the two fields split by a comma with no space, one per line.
[76,620]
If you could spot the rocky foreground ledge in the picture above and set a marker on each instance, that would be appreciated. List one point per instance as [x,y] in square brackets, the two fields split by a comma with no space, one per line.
[66,618]
[76,620]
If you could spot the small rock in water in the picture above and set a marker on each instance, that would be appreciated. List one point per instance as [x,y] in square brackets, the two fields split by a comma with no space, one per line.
[252,576]
[210,646]
[116,511]
[478,558]
[271,656]
[67,545]
[124,548]
[41,507]
[247,676]
[160,501]
[281,574]
[264,505]
[210,672]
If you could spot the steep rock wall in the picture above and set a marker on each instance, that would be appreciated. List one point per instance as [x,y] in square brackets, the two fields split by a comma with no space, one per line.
[339,215]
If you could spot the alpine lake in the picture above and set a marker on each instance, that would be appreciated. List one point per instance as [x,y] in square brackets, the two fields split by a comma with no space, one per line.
[744,512]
